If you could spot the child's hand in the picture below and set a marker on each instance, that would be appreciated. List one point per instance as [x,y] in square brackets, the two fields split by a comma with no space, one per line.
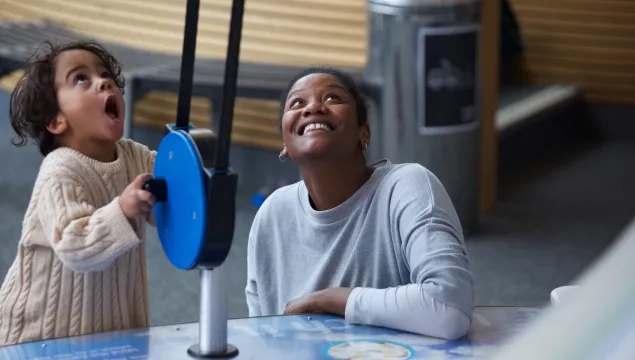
[134,201]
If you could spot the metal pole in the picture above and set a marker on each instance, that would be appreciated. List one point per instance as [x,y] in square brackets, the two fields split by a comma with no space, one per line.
[213,322]
[213,317]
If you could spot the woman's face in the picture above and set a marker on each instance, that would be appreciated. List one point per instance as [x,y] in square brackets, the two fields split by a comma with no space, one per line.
[320,120]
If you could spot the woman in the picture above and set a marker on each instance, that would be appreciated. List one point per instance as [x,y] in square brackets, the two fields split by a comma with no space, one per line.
[381,244]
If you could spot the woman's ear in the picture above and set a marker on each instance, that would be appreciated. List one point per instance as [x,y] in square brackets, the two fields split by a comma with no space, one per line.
[364,135]
[58,126]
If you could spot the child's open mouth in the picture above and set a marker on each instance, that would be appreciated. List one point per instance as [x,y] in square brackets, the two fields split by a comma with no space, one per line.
[111,107]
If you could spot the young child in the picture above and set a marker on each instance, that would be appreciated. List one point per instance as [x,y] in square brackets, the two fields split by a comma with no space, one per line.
[81,264]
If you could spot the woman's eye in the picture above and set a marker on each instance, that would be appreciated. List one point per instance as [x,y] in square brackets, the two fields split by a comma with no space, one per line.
[80,79]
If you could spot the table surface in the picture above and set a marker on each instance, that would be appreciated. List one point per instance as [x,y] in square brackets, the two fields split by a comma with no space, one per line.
[286,337]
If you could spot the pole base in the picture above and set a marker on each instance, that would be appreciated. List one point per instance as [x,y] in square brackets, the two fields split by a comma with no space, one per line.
[195,352]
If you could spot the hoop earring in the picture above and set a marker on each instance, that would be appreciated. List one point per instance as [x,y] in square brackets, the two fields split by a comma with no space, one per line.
[365,146]
[283,156]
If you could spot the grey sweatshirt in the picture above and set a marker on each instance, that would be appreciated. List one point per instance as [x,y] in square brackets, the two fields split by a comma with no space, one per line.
[397,242]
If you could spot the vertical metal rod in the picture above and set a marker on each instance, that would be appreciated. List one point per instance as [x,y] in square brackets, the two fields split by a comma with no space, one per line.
[213,321]
[229,85]
[187,64]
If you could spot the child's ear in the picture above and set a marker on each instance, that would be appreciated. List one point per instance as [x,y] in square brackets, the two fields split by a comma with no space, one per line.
[58,126]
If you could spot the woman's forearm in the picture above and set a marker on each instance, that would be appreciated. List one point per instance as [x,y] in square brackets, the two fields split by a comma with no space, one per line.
[407,308]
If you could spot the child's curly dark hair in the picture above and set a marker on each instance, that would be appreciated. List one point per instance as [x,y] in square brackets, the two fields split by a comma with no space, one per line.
[33,104]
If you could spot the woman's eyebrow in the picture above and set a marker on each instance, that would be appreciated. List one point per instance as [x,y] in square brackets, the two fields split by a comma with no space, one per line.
[334,85]
[338,86]
[293,93]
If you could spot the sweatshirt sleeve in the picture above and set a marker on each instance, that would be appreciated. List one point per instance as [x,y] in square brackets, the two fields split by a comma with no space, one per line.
[439,300]
[85,238]
[251,290]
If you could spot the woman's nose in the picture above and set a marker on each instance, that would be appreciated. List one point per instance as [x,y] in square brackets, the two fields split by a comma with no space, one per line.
[315,107]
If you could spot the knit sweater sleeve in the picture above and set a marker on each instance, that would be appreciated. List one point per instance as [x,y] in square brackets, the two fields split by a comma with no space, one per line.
[146,158]
[140,155]
[85,238]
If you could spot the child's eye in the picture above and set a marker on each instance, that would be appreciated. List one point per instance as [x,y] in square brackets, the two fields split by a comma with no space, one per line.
[106,75]
[333,97]
[80,79]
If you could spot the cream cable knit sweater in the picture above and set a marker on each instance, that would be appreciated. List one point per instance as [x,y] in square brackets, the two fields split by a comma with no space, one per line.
[81,266]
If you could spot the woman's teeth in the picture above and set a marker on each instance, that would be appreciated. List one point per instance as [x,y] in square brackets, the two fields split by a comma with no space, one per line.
[316,126]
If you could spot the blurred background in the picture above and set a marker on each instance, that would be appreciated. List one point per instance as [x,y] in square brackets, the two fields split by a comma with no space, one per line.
[556,147]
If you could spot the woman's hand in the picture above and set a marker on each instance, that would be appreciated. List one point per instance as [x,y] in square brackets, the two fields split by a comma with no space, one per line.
[327,301]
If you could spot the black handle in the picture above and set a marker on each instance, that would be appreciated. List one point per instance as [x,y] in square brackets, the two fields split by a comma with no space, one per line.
[187,64]
[158,187]
[229,85]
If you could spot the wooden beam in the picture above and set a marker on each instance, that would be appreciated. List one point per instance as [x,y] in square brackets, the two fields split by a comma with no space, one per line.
[489,63]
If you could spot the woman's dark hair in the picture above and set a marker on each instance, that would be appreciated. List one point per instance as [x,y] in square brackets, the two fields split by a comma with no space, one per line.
[33,104]
[344,79]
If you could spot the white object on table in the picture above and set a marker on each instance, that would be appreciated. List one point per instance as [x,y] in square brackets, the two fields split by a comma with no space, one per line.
[563,292]
[597,323]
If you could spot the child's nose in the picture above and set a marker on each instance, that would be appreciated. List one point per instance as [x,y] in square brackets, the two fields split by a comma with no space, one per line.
[105,84]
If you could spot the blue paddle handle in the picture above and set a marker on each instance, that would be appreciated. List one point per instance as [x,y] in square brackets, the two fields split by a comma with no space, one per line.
[158,187]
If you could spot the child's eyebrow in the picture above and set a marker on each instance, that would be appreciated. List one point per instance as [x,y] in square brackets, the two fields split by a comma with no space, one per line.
[78,67]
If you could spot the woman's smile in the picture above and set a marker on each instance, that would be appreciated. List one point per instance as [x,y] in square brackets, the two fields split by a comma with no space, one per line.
[314,128]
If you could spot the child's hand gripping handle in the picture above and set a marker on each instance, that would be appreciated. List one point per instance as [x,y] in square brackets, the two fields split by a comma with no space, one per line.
[158,187]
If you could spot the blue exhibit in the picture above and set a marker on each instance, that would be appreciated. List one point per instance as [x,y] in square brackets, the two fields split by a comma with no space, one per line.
[195,189]
[258,199]
[181,220]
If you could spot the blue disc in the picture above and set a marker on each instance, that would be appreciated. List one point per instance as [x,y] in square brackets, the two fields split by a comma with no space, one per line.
[181,219]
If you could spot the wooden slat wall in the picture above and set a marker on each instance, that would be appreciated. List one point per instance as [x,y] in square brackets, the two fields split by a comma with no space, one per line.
[589,43]
[299,32]
[275,31]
